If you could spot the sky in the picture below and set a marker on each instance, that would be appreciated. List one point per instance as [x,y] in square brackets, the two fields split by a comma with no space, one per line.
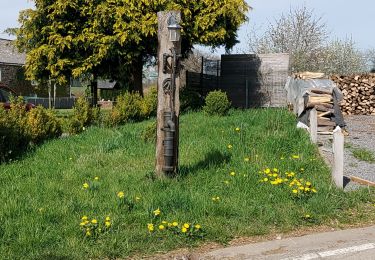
[355,20]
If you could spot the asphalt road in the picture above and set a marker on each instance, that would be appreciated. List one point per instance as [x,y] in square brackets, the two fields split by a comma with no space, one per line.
[344,245]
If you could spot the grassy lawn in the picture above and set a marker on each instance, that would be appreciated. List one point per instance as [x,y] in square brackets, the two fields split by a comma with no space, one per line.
[43,198]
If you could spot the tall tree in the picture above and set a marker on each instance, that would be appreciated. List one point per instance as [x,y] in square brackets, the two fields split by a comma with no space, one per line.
[113,38]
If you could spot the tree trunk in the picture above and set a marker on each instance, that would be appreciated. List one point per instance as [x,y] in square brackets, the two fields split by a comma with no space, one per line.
[137,75]
[94,92]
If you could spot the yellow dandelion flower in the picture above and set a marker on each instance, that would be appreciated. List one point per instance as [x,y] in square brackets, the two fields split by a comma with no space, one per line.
[308,183]
[230,146]
[88,233]
[96,178]
[84,218]
[302,169]
[82,224]
[295,191]
[314,190]
[161,227]
[295,156]
[226,182]
[197,226]
[183,230]
[94,221]
[265,179]
[186,225]
[169,224]
[274,182]
[150,227]
[107,218]
[107,224]
[120,194]
[175,224]
[238,129]
[232,174]
[274,175]
[307,216]
[275,169]
[157,212]
[267,171]
[85,185]
[164,222]
[307,189]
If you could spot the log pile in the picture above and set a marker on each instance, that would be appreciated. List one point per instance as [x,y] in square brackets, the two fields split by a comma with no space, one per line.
[359,93]
[322,101]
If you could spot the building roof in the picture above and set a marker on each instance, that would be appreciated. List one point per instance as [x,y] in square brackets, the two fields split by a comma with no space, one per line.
[107,84]
[9,53]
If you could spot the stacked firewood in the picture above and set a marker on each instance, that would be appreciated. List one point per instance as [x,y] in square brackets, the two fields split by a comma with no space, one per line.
[359,93]
[322,101]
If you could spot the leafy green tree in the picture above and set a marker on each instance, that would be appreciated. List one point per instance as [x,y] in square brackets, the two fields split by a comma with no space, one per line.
[113,38]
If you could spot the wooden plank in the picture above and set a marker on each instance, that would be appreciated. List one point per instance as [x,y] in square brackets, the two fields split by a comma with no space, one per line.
[362,181]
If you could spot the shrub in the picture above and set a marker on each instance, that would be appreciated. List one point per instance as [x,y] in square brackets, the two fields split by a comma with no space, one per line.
[83,115]
[150,102]
[128,108]
[19,129]
[12,138]
[190,100]
[42,124]
[149,133]
[217,103]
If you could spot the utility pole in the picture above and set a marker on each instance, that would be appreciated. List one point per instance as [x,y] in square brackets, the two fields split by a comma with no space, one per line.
[169,49]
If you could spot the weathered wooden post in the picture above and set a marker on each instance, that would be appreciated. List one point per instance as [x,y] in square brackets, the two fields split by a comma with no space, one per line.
[338,158]
[168,94]
[314,125]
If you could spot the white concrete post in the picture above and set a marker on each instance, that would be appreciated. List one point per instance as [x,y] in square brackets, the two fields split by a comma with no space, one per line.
[314,125]
[338,158]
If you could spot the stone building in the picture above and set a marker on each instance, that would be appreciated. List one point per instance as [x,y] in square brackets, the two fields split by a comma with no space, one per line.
[11,69]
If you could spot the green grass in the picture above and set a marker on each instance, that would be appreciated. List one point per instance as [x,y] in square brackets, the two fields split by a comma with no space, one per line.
[363,154]
[43,199]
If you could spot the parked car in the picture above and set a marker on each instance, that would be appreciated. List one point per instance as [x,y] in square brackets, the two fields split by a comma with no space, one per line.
[6,93]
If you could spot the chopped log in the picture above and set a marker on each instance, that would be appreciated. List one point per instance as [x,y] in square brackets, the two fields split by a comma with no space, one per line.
[325,122]
[320,99]
[325,114]
[320,91]
[319,104]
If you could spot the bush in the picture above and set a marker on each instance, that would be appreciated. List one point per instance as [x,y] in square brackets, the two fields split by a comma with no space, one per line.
[129,107]
[20,129]
[150,102]
[83,115]
[12,138]
[190,100]
[149,133]
[42,124]
[217,103]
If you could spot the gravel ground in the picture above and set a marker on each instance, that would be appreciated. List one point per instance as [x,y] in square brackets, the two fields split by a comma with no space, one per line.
[361,135]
